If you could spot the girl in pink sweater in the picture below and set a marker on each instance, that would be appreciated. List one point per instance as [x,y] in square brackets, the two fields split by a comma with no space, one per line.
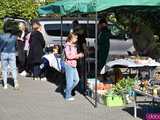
[71,56]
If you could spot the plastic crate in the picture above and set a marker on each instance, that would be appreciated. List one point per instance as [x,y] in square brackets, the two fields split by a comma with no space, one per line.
[113,100]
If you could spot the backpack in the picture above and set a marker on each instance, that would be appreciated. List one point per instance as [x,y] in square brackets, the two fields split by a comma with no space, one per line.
[63,58]
[62,61]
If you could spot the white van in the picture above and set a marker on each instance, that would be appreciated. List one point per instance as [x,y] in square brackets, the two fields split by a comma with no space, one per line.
[51,30]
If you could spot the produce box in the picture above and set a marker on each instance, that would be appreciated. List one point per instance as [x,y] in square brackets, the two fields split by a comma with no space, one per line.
[113,100]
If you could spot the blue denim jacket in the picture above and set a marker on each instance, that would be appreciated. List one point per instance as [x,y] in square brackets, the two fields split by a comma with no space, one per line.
[7,43]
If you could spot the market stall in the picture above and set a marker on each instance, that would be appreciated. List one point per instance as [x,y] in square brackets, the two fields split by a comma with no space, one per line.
[149,87]
[68,7]
[133,62]
[150,93]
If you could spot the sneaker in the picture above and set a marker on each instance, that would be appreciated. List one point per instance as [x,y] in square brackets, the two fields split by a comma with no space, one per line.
[64,90]
[5,87]
[36,78]
[16,86]
[24,73]
[29,75]
[44,79]
[70,99]
[73,93]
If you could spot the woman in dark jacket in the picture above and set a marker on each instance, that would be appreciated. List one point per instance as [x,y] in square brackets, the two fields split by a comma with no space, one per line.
[37,44]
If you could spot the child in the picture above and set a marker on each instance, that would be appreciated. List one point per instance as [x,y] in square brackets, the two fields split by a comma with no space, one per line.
[71,56]
[52,59]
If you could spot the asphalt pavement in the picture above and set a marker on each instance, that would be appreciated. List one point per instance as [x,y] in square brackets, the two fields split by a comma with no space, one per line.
[41,100]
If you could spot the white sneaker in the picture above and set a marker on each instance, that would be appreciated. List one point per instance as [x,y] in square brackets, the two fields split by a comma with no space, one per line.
[36,78]
[5,87]
[44,79]
[24,73]
[70,99]
[16,86]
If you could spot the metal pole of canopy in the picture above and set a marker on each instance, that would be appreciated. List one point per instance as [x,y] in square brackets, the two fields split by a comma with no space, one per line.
[96,56]
[61,32]
[85,62]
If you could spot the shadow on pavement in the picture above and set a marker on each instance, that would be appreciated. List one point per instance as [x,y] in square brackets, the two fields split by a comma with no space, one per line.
[91,100]
[130,110]
[10,81]
[142,110]
[57,78]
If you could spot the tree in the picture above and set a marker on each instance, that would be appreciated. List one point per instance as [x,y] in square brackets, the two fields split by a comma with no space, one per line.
[149,23]
[25,9]
[18,9]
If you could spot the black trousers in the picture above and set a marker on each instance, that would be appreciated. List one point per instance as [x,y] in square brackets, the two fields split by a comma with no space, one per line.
[82,73]
[21,56]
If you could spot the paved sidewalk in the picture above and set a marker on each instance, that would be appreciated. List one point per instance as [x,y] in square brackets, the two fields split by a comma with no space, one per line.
[38,100]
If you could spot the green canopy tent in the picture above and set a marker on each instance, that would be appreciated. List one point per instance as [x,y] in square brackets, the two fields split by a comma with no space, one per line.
[67,7]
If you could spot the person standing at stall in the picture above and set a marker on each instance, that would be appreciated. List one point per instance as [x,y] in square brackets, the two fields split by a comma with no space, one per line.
[81,47]
[20,48]
[8,52]
[71,57]
[103,43]
[37,45]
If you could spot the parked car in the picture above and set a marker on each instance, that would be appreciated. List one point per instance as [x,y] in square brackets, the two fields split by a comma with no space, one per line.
[18,20]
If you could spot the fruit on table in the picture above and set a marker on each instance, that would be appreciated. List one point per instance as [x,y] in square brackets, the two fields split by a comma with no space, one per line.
[103,86]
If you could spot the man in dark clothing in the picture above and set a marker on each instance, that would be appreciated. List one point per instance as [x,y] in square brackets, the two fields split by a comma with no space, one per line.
[103,43]
[81,47]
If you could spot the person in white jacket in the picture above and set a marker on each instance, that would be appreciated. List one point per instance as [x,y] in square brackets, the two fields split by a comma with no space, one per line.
[52,59]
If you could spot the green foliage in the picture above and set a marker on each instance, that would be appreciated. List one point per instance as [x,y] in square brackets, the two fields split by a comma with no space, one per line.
[49,1]
[125,21]
[25,9]
[18,8]
[123,86]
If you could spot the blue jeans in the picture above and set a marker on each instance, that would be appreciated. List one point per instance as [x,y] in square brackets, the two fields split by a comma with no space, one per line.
[72,79]
[8,59]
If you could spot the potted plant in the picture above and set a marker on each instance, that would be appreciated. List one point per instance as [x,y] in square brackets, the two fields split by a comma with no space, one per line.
[117,95]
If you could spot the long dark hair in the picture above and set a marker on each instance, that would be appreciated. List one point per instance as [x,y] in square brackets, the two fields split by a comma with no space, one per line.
[11,27]
[37,25]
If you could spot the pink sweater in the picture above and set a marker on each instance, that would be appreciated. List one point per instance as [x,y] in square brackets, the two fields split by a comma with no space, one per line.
[71,54]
